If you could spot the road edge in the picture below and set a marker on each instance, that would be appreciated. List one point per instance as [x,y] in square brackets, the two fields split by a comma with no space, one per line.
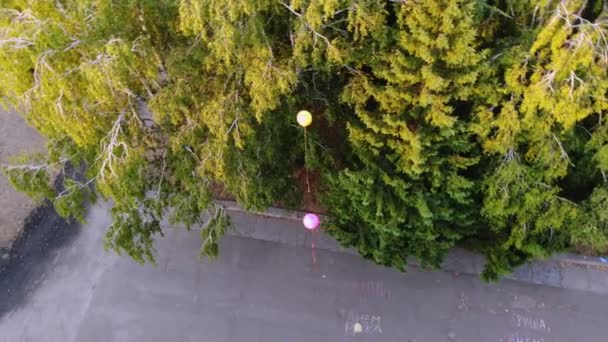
[568,271]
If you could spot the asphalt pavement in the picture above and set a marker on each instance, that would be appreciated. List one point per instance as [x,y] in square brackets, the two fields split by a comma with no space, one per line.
[258,290]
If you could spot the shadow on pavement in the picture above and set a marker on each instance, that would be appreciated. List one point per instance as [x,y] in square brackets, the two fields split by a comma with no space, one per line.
[44,233]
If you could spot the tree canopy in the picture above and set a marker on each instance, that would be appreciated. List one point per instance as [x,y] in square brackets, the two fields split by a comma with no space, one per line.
[437,123]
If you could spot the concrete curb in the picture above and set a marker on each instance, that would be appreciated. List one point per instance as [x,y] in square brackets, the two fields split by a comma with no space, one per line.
[270,212]
[273,212]
[566,271]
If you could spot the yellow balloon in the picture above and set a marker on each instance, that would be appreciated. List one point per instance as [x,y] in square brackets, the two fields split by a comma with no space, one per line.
[304,118]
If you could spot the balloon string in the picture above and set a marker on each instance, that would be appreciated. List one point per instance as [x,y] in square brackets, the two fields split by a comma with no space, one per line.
[314,252]
[306,159]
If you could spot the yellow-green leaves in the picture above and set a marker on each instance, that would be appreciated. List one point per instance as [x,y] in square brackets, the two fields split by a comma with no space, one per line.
[268,80]
[437,122]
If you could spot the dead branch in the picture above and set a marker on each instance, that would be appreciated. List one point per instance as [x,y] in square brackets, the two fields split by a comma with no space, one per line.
[548,80]
[16,17]
[41,63]
[100,58]
[162,174]
[35,168]
[109,148]
[59,106]
[75,42]
[16,43]
[572,80]
[510,155]
[585,30]
[563,153]
[23,17]
[30,167]
[308,26]
[81,186]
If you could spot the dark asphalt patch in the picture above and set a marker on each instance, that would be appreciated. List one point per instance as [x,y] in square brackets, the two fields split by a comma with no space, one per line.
[44,234]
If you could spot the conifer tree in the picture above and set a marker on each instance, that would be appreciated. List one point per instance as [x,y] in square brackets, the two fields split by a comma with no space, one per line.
[543,188]
[409,190]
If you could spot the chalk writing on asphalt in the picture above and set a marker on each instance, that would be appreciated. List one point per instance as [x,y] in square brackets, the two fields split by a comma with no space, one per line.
[368,288]
[517,337]
[529,329]
[362,323]
[532,323]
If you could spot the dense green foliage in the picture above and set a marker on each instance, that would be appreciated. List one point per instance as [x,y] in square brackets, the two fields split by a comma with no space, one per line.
[436,123]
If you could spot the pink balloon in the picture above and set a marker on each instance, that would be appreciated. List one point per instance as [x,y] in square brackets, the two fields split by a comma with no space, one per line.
[311,221]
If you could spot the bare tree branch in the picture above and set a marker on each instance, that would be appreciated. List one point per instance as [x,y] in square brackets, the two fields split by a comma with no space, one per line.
[109,155]
[585,29]
[41,64]
[16,17]
[162,174]
[564,154]
[16,42]
[510,155]
[308,26]
[59,106]
[548,80]
[30,167]
[66,192]
[572,80]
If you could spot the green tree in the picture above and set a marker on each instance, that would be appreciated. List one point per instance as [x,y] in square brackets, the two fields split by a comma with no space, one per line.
[162,100]
[438,123]
[541,132]
[409,188]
